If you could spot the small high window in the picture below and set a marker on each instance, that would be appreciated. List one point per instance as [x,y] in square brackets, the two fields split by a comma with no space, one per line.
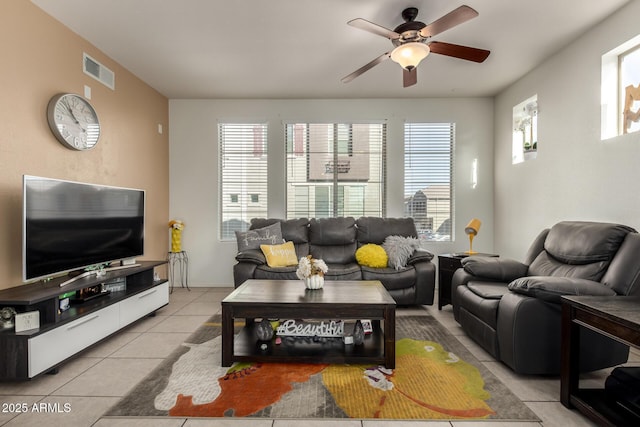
[620,90]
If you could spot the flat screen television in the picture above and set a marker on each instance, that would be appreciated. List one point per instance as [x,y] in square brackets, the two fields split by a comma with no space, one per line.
[70,225]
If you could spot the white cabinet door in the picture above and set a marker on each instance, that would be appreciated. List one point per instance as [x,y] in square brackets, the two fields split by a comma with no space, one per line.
[141,304]
[50,348]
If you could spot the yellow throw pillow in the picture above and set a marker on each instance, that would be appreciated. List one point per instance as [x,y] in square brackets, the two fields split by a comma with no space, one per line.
[372,255]
[282,255]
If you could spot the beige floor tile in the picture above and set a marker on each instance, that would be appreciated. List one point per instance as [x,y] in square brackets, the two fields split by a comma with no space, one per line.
[411,423]
[12,406]
[237,422]
[317,423]
[112,344]
[110,377]
[206,308]
[180,324]
[140,422]
[152,345]
[553,414]
[47,384]
[65,411]
[494,423]
[146,323]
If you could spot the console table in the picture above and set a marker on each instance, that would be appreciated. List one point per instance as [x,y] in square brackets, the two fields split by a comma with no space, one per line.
[616,317]
[63,333]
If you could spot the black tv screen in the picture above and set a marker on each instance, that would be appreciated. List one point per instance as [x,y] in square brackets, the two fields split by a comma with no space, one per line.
[72,225]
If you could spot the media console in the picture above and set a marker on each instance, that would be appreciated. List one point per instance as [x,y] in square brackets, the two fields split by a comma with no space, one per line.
[63,334]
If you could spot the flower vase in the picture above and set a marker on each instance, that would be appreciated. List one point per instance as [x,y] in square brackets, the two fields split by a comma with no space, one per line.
[176,241]
[314,282]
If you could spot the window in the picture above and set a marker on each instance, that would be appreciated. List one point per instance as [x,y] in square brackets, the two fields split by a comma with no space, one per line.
[525,130]
[428,178]
[243,175]
[630,90]
[620,90]
[335,169]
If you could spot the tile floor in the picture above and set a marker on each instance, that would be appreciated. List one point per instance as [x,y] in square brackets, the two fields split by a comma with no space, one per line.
[87,386]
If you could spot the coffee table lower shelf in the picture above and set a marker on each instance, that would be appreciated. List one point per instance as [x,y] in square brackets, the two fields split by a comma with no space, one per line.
[247,348]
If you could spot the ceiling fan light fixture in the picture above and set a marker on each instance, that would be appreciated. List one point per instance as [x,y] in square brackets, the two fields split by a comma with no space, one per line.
[409,55]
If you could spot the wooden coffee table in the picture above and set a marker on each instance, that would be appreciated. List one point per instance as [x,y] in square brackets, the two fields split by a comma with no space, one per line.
[289,299]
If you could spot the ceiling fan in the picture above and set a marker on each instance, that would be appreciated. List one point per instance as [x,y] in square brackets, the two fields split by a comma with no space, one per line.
[412,45]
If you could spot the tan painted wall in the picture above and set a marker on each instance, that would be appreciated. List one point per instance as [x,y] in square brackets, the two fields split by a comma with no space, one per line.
[40,57]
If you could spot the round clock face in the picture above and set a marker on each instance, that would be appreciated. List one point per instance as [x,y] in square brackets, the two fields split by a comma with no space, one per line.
[73,121]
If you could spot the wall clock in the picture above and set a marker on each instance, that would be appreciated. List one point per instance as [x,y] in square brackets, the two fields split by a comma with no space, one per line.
[73,121]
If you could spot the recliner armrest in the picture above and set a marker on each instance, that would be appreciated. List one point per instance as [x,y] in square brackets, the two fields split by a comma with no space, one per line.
[419,255]
[550,289]
[253,256]
[493,268]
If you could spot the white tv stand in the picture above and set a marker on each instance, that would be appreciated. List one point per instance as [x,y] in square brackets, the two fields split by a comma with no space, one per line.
[61,335]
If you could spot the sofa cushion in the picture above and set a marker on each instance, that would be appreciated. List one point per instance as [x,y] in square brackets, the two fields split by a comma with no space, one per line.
[294,230]
[581,242]
[283,255]
[390,277]
[399,249]
[546,265]
[550,289]
[348,271]
[252,239]
[332,231]
[265,272]
[371,255]
[375,230]
[488,290]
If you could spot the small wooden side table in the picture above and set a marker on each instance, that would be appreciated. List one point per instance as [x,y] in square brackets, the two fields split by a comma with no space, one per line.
[447,265]
[618,318]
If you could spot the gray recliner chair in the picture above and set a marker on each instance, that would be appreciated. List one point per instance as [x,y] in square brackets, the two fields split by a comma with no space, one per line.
[513,309]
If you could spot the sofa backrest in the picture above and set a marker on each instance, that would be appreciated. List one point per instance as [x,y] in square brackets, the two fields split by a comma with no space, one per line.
[333,239]
[579,249]
[375,229]
[293,230]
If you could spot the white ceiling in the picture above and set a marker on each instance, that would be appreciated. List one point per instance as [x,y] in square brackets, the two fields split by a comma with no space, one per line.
[302,48]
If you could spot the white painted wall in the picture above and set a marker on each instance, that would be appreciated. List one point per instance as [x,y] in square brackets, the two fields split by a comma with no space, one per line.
[576,176]
[193,157]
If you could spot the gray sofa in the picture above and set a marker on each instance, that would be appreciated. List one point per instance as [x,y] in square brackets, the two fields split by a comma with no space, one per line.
[335,240]
[513,309]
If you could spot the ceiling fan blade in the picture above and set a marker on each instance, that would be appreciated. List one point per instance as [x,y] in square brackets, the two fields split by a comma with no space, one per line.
[365,68]
[450,20]
[458,51]
[409,77]
[363,24]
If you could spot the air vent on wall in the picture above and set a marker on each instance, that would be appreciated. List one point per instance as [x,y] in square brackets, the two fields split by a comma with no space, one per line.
[98,71]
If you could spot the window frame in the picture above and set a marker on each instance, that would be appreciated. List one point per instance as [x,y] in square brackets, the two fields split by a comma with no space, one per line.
[249,155]
[414,190]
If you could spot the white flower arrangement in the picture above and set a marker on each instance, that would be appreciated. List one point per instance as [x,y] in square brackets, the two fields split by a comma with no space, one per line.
[308,266]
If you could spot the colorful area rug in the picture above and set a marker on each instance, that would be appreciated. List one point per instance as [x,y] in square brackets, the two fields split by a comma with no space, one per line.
[435,378]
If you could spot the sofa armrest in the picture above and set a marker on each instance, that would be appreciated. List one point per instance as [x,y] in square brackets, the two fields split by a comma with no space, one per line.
[550,289]
[493,268]
[253,256]
[420,255]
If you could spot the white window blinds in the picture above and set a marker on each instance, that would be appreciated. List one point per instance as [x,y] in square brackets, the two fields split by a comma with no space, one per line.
[335,169]
[243,175]
[428,178]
